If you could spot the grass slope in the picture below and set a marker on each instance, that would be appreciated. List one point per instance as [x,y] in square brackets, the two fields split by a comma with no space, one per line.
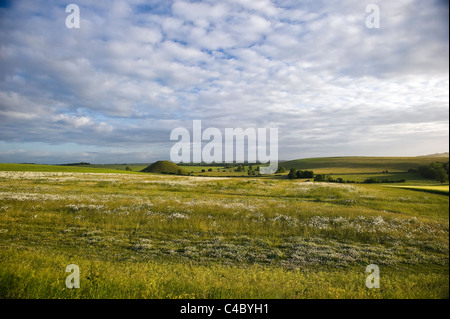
[340,165]
[165,167]
[437,189]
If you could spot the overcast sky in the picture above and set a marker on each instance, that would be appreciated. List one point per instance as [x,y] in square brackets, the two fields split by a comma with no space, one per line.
[112,90]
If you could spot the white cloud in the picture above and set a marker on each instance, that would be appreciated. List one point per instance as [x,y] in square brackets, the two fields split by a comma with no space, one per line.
[135,70]
[265,7]
[193,11]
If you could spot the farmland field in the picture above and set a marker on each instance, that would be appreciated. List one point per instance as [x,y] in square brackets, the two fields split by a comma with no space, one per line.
[58,168]
[438,189]
[340,165]
[159,236]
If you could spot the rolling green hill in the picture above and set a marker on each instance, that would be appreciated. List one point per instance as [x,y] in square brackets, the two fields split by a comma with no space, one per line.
[353,168]
[340,165]
[446,154]
[166,167]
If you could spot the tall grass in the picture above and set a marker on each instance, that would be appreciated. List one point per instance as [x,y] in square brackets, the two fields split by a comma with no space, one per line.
[139,236]
[36,274]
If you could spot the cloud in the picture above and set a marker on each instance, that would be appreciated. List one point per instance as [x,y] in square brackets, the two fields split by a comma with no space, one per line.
[195,11]
[136,69]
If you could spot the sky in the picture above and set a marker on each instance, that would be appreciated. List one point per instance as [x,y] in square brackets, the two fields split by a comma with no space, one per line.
[112,90]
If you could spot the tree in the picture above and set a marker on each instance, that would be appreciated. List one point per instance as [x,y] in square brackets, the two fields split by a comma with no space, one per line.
[320,178]
[292,174]
[280,169]
[304,174]
[436,170]
[427,172]
[308,174]
[441,175]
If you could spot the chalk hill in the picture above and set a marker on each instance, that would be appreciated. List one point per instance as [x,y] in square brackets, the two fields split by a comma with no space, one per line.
[165,167]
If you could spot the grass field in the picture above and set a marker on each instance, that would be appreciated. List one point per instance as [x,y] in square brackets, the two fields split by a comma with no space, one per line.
[359,169]
[348,168]
[119,168]
[349,165]
[438,189]
[160,236]
[58,168]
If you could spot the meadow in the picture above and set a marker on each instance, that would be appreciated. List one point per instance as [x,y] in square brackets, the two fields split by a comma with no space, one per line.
[64,169]
[438,189]
[361,164]
[139,235]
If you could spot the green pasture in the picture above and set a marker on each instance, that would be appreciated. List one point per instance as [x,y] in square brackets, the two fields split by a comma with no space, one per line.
[164,236]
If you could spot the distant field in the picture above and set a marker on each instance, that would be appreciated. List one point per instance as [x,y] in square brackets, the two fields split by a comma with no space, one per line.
[347,165]
[440,189]
[117,168]
[348,168]
[410,178]
[122,167]
[56,168]
[219,171]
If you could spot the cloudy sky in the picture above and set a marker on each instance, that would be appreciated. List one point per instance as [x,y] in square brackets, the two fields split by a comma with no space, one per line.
[112,90]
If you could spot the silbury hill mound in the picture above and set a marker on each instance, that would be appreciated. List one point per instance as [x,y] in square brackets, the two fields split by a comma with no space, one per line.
[163,167]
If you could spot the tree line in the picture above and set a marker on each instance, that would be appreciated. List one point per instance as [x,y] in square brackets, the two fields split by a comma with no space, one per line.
[297,174]
[293,174]
[438,171]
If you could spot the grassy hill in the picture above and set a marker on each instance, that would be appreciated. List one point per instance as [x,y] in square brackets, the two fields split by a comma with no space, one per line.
[166,167]
[340,165]
[446,154]
[349,168]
